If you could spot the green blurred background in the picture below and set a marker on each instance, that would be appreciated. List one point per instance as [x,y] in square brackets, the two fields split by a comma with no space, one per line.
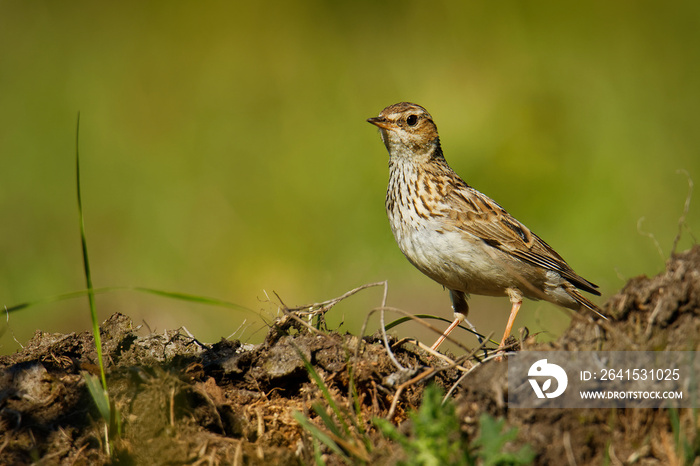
[225,151]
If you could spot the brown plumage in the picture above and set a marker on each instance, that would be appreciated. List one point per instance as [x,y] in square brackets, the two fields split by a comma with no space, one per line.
[460,237]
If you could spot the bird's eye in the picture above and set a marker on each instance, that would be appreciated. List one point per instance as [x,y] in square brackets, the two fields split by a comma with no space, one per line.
[411,120]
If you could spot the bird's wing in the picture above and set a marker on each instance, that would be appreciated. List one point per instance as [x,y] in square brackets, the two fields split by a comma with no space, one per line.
[479,215]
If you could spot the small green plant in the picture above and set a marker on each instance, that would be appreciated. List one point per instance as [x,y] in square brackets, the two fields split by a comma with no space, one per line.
[437,439]
[491,442]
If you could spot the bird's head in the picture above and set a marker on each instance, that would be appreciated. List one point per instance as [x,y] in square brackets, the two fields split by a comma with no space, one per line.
[408,131]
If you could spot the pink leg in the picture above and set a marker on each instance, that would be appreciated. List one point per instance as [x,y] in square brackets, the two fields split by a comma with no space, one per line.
[458,320]
[513,312]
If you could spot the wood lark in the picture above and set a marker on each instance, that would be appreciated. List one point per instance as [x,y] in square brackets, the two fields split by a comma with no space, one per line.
[460,237]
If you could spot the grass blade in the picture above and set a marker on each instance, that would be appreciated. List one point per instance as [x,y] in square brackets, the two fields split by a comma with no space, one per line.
[327,420]
[166,294]
[193,298]
[320,435]
[401,320]
[86,260]
[99,395]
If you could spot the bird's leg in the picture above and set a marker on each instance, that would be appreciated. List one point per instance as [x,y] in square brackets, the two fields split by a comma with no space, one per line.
[458,319]
[461,309]
[516,299]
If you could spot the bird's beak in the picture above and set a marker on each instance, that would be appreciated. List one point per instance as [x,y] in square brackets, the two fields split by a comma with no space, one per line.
[379,121]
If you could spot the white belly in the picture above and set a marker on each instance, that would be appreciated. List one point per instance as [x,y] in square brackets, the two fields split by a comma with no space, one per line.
[454,259]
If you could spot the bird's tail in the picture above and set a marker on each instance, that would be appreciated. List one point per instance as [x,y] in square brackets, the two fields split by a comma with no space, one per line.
[585,302]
